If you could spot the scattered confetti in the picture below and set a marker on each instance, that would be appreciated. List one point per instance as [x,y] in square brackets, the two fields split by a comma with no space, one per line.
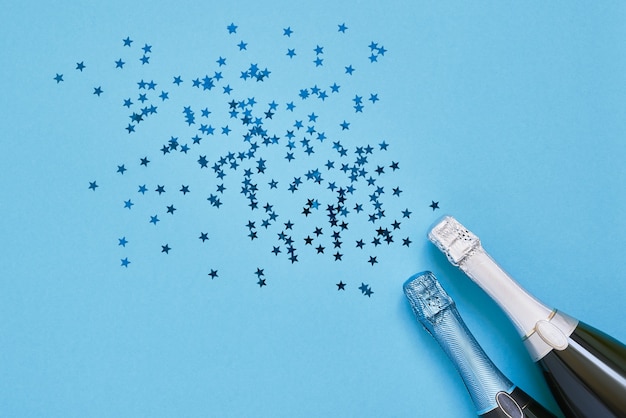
[342,202]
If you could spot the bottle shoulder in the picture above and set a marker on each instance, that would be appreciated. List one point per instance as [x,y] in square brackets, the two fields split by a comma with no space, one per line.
[601,345]
[588,378]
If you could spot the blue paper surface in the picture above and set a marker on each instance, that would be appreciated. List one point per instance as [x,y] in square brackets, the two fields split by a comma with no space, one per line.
[510,118]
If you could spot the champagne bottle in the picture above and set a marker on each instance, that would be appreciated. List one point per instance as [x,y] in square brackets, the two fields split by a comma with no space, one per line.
[494,395]
[585,368]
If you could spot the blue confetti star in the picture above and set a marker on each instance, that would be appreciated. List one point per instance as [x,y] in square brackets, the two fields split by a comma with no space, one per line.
[127,41]
[342,27]
[125,262]
[97,91]
[80,66]
[232,28]
[203,161]
[93,185]
[122,241]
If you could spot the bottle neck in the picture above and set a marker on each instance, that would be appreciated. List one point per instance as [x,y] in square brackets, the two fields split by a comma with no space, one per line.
[481,377]
[522,308]
[527,313]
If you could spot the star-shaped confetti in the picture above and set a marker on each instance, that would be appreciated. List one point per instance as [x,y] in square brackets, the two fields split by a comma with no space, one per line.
[235,138]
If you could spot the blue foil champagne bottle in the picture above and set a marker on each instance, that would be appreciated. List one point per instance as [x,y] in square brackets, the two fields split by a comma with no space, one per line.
[493,394]
[584,367]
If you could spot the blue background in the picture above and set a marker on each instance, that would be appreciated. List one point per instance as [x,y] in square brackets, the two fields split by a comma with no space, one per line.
[512,117]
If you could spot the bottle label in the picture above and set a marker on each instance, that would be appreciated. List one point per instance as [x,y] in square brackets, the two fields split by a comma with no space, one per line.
[508,405]
[551,335]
